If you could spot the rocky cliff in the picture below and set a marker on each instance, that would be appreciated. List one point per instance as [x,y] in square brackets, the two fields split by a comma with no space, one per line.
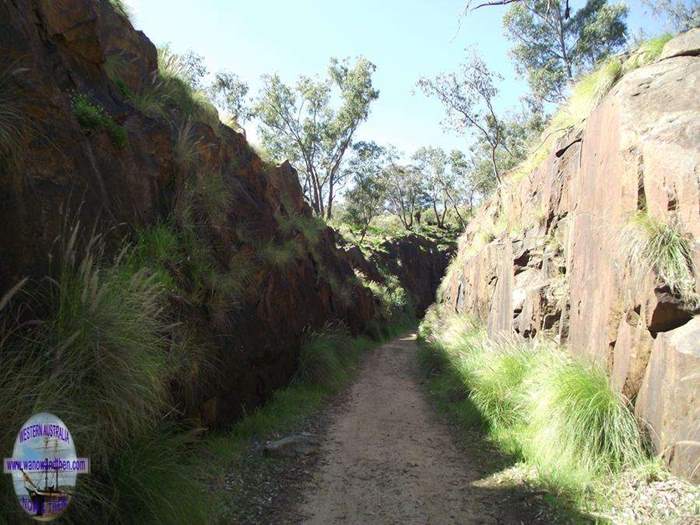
[554,252]
[94,130]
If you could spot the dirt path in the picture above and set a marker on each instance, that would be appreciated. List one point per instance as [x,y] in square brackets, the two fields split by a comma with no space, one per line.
[387,458]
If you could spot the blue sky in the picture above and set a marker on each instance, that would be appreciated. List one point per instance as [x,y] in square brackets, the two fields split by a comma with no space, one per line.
[406,39]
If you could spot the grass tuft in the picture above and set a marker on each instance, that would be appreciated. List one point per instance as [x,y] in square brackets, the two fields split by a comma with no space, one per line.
[662,248]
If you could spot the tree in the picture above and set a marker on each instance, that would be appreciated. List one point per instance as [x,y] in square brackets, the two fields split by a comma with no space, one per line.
[299,123]
[437,182]
[365,200]
[552,47]
[680,15]
[404,192]
[468,100]
[229,93]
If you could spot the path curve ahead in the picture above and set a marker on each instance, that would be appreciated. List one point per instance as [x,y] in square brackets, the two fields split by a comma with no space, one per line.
[387,458]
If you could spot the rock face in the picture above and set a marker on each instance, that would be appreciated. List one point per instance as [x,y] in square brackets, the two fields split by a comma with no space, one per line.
[547,255]
[50,52]
[418,262]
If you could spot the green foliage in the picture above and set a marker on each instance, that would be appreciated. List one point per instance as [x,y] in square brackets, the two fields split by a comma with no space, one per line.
[551,50]
[279,255]
[663,248]
[300,124]
[578,427]
[647,52]
[92,117]
[309,227]
[154,482]
[173,94]
[326,357]
[557,413]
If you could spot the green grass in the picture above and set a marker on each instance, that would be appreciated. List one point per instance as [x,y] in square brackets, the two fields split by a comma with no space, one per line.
[96,352]
[279,255]
[585,96]
[652,245]
[92,117]
[152,477]
[171,97]
[555,413]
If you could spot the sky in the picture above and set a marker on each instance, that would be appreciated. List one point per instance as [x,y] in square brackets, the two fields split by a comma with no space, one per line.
[406,39]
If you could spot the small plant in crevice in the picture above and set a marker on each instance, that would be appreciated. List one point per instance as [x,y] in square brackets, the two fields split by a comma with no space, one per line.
[652,245]
[92,117]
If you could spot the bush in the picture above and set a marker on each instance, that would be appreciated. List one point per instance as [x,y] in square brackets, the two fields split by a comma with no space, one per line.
[97,355]
[92,117]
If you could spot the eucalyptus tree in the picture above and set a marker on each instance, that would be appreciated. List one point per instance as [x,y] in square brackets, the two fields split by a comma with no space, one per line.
[365,200]
[312,124]
[553,45]
[468,98]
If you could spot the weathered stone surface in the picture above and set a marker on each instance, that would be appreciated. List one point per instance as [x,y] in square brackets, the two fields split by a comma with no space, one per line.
[669,398]
[639,149]
[685,44]
[418,262]
[67,47]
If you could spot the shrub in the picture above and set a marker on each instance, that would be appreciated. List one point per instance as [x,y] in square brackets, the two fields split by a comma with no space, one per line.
[279,255]
[92,117]
[664,249]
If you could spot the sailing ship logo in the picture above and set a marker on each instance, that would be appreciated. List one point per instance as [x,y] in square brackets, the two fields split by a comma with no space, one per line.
[44,466]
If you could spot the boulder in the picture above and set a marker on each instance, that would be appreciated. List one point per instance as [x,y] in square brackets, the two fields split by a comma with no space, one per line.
[669,398]
[687,43]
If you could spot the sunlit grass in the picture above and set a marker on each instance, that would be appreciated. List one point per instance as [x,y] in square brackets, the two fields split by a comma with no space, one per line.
[652,245]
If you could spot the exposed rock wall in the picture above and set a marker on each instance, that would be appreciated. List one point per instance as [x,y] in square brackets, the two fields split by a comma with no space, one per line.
[546,255]
[53,50]
[418,262]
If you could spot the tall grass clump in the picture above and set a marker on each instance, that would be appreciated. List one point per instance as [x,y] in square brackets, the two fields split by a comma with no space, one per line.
[121,8]
[326,357]
[170,95]
[664,249]
[91,343]
[558,413]
[153,480]
[579,428]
